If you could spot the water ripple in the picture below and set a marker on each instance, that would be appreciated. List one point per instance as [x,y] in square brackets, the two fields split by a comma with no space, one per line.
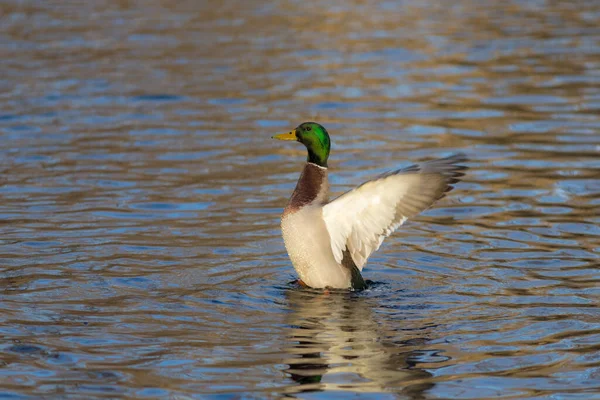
[140,199]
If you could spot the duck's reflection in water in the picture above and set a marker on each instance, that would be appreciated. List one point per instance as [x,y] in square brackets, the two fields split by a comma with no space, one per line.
[338,342]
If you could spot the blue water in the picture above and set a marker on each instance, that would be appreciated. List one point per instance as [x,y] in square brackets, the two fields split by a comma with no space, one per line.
[140,195]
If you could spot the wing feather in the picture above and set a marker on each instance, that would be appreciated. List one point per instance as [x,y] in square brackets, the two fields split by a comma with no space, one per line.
[359,220]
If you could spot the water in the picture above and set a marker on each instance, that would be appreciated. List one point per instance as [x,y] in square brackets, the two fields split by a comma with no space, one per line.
[140,197]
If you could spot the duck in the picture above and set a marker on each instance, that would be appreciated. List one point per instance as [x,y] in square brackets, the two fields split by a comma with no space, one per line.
[329,242]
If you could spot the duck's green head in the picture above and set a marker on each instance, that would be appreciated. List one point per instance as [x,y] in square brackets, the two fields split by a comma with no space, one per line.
[314,137]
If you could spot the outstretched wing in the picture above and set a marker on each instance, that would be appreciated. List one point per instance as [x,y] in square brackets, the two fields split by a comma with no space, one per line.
[360,219]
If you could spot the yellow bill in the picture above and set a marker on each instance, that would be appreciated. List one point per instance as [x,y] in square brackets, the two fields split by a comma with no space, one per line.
[286,136]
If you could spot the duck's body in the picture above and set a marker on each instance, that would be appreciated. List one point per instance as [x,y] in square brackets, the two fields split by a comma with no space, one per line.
[330,242]
[307,238]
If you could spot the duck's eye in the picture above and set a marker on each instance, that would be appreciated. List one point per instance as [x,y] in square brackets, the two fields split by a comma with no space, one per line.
[308,128]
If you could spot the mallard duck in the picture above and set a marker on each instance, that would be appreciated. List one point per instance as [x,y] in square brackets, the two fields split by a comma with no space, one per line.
[329,242]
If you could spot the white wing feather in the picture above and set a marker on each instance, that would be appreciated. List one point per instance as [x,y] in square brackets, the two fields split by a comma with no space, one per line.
[359,220]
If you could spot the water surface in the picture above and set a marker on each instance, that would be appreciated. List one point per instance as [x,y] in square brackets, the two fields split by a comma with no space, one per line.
[140,194]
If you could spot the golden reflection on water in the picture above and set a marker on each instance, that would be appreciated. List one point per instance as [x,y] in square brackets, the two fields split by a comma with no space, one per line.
[140,197]
[335,341]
